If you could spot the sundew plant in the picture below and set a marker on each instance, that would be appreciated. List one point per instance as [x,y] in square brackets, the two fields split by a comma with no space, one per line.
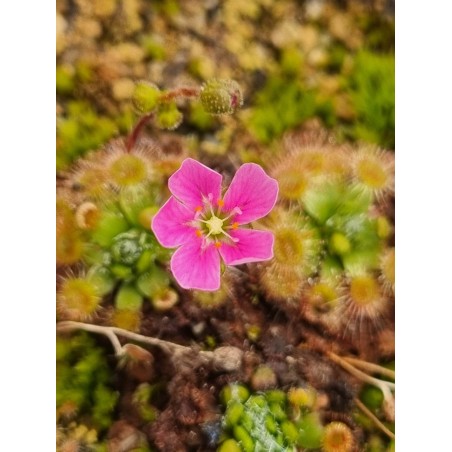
[225,226]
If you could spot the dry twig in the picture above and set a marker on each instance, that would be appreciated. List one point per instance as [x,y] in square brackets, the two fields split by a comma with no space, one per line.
[227,359]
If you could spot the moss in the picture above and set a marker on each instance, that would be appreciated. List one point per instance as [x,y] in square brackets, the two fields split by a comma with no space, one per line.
[372,90]
[84,380]
[79,131]
[64,80]
[281,105]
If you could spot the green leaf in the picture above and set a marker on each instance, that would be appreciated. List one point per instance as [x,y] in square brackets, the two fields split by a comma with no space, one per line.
[109,226]
[128,298]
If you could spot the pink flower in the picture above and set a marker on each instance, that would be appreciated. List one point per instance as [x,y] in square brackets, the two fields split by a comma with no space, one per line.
[206,225]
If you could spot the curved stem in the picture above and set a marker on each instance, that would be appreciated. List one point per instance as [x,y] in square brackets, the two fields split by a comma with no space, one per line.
[69,325]
[164,97]
[136,131]
[374,418]
[179,92]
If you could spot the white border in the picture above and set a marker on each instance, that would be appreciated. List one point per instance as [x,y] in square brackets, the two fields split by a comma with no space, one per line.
[27,224]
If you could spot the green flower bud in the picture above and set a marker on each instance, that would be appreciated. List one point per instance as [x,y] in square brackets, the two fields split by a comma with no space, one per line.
[168,116]
[221,96]
[145,96]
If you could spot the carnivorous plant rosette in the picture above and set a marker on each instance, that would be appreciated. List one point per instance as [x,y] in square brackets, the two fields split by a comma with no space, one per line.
[205,225]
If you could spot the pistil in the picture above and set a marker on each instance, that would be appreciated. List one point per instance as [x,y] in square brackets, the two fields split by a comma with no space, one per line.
[214,224]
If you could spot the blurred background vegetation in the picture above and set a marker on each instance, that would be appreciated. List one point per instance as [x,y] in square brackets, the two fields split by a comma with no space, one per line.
[299,63]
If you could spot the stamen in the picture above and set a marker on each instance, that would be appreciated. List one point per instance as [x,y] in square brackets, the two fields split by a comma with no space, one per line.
[230,237]
[218,244]
[198,233]
[220,204]
[234,211]
[235,225]
[204,244]
[198,209]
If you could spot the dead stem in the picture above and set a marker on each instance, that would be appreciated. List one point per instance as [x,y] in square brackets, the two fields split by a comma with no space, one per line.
[384,386]
[361,375]
[62,326]
[374,418]
[223,358]
[371,367]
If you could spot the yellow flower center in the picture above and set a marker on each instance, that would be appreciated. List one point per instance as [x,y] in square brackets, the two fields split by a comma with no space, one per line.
[215,225]
[212,223]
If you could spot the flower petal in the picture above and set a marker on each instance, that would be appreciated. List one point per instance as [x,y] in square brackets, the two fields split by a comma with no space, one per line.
[170,224]
[252,246]
[196,268]
[193,181]
[252,191]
